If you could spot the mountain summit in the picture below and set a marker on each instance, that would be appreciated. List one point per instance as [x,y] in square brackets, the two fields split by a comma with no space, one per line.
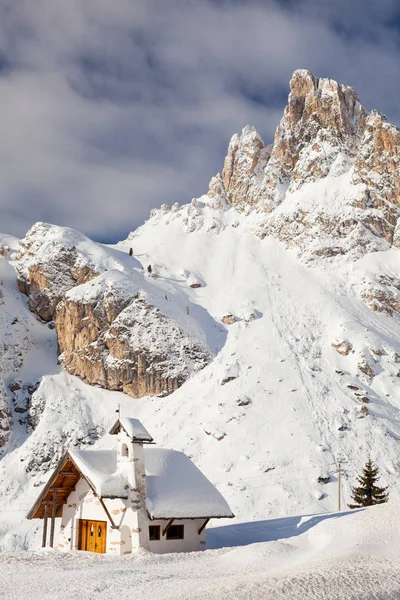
[328,139]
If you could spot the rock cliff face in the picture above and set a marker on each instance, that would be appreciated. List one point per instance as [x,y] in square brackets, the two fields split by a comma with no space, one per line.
[377,166]
[327,138]
[115,338]
[318,135]
[48,265]
[110,332]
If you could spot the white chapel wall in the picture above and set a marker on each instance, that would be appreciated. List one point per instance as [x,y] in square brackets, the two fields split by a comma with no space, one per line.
[83,504]
[192,540]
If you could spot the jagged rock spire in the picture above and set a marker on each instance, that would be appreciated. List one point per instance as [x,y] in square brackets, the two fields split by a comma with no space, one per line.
[324,132]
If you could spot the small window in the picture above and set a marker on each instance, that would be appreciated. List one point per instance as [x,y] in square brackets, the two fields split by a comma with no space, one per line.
[175,532]
[124,450]
[154,532]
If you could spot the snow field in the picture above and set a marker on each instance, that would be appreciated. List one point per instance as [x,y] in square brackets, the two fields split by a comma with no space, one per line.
[345,556]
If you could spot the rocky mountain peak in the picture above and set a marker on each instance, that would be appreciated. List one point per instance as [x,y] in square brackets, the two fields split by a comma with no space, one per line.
[244,164]
[378,165]
[323,104]
[325,135]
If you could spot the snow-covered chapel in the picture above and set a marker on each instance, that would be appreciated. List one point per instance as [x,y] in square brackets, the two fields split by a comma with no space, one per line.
[135,496]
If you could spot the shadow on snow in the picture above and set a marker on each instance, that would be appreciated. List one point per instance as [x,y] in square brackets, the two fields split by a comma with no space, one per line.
[270,530]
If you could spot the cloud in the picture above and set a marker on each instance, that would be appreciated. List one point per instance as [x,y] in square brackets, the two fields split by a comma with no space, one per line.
[111,108]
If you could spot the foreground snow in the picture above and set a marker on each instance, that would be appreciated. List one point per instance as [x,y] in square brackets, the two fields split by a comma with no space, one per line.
[350,556]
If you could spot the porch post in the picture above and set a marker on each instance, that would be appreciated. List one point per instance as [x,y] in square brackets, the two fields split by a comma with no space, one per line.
[46,514]
[53,517]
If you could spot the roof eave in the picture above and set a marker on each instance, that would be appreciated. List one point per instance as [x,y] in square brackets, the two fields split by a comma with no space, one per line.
[118,426]
[66,456]
[155,518]
[46,488]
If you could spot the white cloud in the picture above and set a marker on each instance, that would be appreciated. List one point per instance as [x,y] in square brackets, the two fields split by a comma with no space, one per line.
[110,108]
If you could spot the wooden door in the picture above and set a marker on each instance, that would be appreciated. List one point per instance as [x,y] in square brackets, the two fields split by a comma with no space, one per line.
[92,536]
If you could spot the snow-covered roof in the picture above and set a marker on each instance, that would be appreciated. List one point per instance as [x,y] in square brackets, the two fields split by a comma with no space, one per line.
[100,468]
[133,428]
[176,488]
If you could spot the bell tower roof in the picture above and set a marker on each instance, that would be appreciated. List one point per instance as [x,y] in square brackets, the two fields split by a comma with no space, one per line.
[133,429]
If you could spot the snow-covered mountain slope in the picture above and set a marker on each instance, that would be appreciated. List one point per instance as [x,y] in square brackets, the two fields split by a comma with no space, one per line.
[265,345]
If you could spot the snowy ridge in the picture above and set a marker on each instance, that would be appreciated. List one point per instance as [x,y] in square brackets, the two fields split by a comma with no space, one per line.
[45,242]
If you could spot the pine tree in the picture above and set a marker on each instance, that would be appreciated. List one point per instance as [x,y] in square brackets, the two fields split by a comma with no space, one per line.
[130,251]
[368,494]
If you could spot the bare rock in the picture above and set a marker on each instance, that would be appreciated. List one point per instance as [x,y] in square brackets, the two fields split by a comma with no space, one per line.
[343,347]
[116,339]
[377,351]
[217,193]
[363,399]
[378,166]
[322,120]
[15,385]
[363,412]
[243,401]
[366,368]
[217,435]
[49,264]
[383,294]
[243,168]
[228,379]
[229,319]
[324,479]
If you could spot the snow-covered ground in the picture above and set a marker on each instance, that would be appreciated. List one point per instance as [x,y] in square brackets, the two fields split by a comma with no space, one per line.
[345,556]
[276,408]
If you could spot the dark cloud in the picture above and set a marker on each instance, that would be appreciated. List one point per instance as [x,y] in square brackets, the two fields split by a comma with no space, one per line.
[111,108]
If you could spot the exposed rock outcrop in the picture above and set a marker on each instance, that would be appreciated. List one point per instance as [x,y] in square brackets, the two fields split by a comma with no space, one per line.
[318,134]
[378,167]
[343,347]
[382,294]
[244,167]
[49,264]
[115,338]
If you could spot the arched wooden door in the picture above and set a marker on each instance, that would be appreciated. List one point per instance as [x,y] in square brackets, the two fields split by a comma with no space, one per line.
[92,536]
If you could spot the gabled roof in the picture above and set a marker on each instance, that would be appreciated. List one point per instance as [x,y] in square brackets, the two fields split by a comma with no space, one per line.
[64,479]
[176,488]
[133,428]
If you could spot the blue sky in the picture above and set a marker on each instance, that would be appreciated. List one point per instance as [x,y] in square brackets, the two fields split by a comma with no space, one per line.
[111,108]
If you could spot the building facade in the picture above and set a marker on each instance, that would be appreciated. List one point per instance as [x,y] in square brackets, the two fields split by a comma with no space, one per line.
[132,496]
